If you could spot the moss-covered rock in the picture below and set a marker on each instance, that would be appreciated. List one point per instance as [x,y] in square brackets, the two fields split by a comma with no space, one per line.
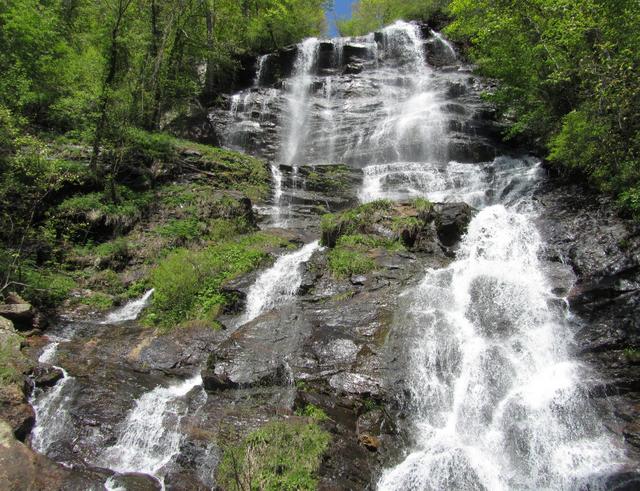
[14,407]
[418,226]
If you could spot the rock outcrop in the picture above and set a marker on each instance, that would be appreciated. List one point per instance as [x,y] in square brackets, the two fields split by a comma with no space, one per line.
[582,230]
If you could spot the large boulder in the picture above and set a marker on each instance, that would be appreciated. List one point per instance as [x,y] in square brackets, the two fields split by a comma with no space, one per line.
[21,314]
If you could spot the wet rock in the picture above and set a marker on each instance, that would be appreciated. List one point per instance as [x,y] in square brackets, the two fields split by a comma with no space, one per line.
[135,482]
[22,469]
[582,231]
[14,407]
[353,68]
[16,411]
[46,376]
[21,314]
[452,221]
[213,382]
[370,442]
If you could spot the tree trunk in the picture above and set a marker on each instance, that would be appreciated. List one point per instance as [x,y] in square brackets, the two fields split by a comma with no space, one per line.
[107,85]
[209,84]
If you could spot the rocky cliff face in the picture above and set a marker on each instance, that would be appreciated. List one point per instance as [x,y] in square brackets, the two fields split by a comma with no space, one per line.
[583,231]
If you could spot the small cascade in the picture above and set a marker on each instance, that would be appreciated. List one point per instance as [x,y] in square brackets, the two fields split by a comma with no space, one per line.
[150,436]
[298,100]
[52,419]
[129,311]
[450,50]
[277,285]
[504,180]
[262,62]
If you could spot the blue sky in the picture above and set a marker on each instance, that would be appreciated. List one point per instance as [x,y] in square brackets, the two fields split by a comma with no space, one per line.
[343,10]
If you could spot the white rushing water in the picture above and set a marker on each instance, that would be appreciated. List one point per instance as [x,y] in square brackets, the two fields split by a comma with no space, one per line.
[496,400]
[150,436]
[278,284]
[130,311]
[50,405]
[51,421]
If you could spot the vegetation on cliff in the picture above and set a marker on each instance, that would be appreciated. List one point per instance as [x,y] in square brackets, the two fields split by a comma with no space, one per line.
[282,455]
[85,88]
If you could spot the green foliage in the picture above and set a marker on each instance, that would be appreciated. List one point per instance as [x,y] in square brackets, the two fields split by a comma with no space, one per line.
[282,455]
[422,205]
[45,288]
[569,80]
[367,242]
[83,216]
[369,15]
[98,301]
[344,262]
[181,231]
[352,221]
[188,283]
[313,412]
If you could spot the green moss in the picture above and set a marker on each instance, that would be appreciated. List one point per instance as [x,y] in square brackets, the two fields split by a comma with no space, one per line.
[8,352]
[344,262]
[352,221]
[283,455]
[98,301]
[364,241]
[312,411]
[188,282]
[330,178]
[632,354]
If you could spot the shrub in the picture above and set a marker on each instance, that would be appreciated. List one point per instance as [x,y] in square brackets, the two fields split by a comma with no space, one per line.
[98,301]
[188,283]
[46,288]
[283,455]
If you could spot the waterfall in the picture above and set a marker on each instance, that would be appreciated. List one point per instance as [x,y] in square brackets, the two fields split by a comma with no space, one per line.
[52,420]
[262,61]
[504,180]
[496,401]
[150,436]
[130,311]
[447,45]
[278,284]
[298,100]
[50,406]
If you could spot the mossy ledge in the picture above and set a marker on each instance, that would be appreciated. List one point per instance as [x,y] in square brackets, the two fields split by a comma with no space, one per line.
[353,236]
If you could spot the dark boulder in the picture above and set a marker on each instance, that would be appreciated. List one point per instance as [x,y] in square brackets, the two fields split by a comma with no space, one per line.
[46,376]
[452,220]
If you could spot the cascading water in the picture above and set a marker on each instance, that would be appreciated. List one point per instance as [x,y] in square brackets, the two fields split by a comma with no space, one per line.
[150,436]
[130,311]
[278,284]
[50,406]
[51,420]
[496,401]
